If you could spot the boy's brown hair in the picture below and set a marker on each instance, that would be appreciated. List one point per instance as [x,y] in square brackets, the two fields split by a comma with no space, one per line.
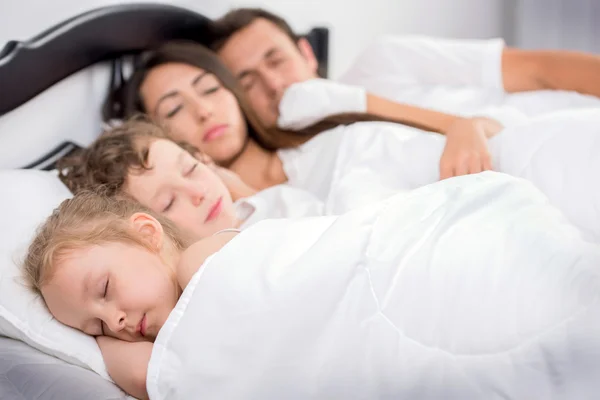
[108,161]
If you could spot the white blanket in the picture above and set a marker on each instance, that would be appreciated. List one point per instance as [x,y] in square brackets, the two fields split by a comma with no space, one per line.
[470,288]
[351,166]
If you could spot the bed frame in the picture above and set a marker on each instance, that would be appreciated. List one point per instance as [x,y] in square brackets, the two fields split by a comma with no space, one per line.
[102,34]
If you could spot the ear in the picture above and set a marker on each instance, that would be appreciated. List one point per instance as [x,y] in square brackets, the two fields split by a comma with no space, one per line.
[309,55]
[149,228]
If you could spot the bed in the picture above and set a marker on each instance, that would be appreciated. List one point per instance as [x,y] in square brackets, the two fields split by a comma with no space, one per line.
[102,38]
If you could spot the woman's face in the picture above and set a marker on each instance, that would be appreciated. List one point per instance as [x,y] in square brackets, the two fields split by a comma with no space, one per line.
[114,289]
[184,190]
[196,108]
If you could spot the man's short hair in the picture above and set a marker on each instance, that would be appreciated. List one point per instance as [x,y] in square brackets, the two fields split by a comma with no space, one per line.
[238,19]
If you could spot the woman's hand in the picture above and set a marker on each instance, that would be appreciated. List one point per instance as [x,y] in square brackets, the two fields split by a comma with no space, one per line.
[466,150]
[236,186]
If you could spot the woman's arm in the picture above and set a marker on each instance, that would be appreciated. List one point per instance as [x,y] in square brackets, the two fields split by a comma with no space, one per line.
[423,118]
[127,364]
[306,103]
[303,104]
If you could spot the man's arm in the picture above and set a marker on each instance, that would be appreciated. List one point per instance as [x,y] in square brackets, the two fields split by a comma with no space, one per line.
[127,364]
[395,61]
[526,70]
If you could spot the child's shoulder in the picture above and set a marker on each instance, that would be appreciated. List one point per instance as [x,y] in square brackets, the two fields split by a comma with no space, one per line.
[195,255]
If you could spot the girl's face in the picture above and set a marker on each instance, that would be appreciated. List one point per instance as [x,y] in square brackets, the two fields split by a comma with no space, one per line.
[184,190]
[115,289]
[196,108]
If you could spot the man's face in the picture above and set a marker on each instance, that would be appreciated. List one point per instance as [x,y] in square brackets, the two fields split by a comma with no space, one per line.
[266,61]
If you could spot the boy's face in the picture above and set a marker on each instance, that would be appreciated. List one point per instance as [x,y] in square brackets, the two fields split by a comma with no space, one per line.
[184,190]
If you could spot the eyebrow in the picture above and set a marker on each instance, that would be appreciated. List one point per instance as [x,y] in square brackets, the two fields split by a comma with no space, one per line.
[199,78]
[174,93]
[244,73]
[164,97]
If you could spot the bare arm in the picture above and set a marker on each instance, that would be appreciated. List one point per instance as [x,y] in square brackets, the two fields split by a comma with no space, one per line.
[127,364]
[418,117]
[426,119]
[195,255]
[525,70]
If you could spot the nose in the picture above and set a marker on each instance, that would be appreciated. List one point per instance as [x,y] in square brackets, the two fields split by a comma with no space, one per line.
[197,192]
[274,83]
[115,320]
[203,109]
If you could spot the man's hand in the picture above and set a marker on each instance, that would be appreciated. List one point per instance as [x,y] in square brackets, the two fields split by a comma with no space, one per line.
[466,150]
[306,103]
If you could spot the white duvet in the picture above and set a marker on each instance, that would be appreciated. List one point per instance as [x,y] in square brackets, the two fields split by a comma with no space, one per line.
[470,288]
[351,166]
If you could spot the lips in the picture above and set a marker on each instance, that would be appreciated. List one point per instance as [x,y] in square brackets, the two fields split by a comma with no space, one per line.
[214,132]
[215,210]
[141,328]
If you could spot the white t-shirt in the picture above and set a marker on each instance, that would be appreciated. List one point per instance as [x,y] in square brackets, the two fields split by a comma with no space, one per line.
[450,75]
[281,201]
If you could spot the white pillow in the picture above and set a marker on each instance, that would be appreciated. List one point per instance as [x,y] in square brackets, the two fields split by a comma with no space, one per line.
[28,198]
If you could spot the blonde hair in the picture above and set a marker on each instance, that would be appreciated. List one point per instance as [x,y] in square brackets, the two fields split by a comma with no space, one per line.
[88,219]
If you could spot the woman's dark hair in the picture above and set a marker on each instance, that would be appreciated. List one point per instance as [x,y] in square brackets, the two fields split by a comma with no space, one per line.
[124,100]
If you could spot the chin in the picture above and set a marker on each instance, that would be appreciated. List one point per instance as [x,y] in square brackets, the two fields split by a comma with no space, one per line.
[227,157]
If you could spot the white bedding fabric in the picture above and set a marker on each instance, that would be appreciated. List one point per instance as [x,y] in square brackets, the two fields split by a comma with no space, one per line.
[469,288]
[450,75]
[347,167]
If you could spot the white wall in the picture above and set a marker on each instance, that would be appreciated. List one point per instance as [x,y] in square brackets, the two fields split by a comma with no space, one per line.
[22,19]
[354,23]
[551,24]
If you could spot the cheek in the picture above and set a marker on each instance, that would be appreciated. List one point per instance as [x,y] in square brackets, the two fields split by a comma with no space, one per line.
[186,218]
[257,95]
[184,128]
[154,284]
[233,113]
[296,73]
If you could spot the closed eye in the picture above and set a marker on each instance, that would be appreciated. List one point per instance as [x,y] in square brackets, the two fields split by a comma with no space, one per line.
[189,172]
[104,294]
[248,83]
[211,90]
[276,62]
[174,112]
[168,206]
